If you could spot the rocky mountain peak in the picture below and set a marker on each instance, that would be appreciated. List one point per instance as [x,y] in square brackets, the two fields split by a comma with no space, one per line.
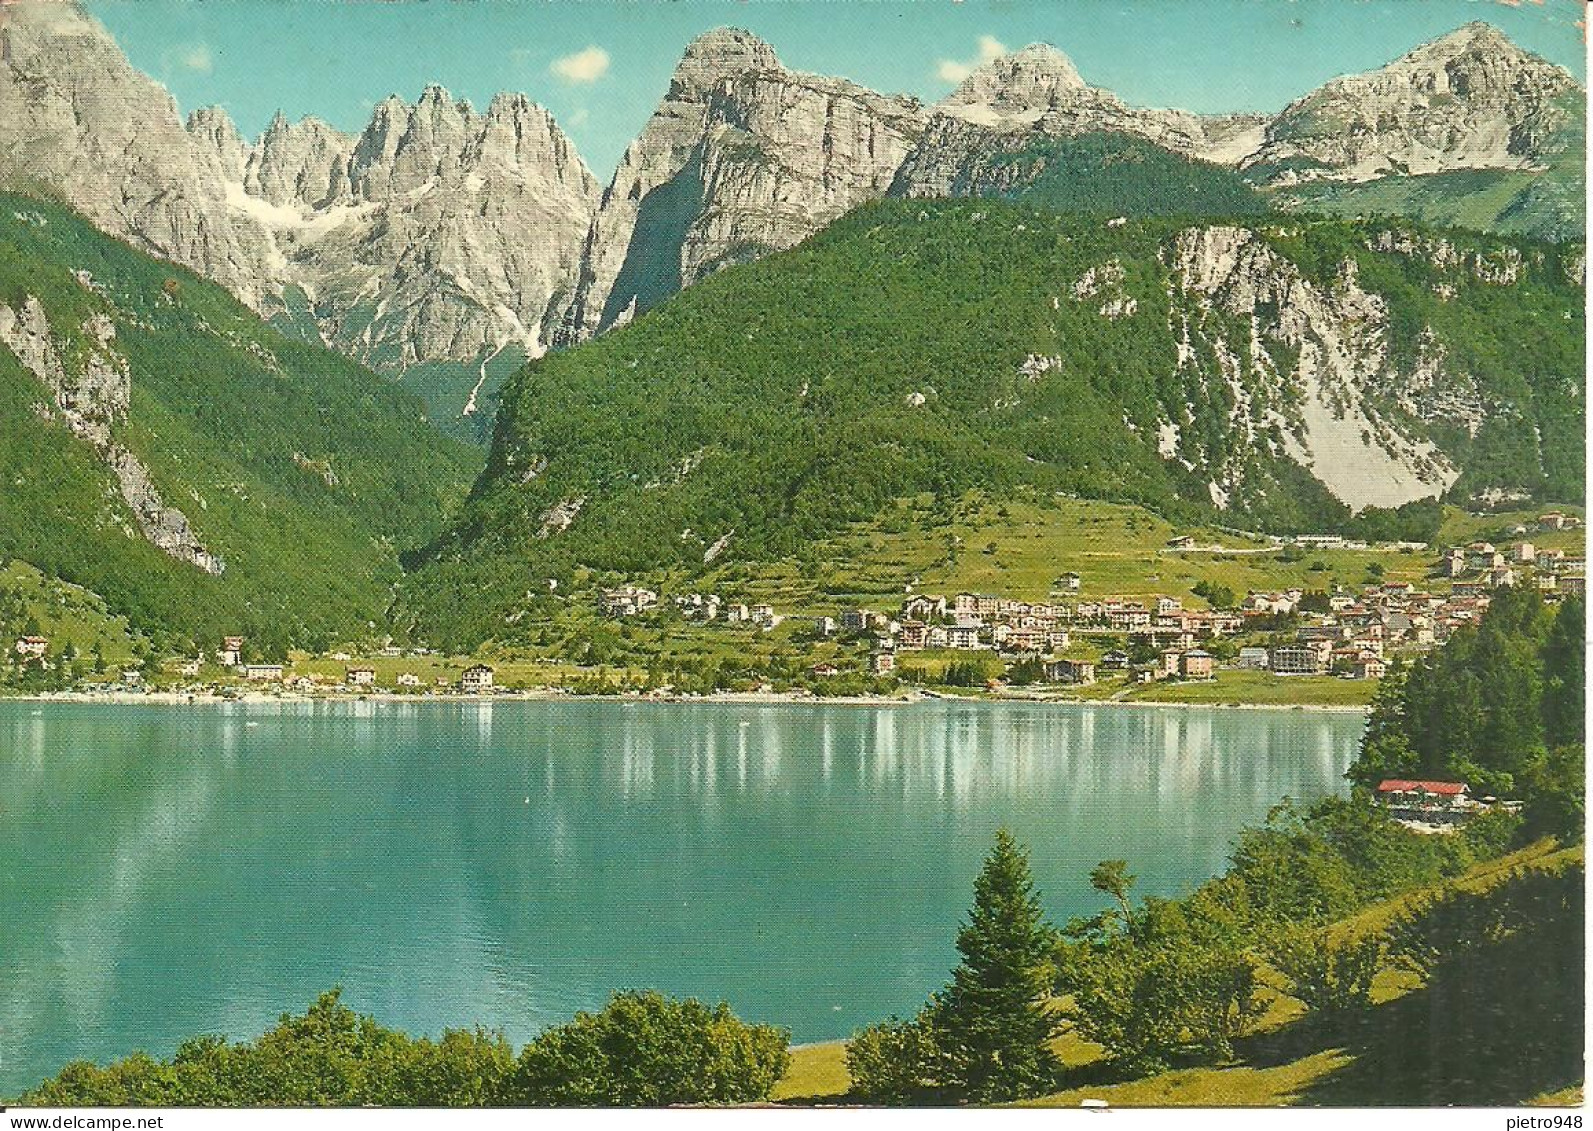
[303,162]
[717,55]
[1035,78]
[1472,99]
[213,127]
[58,20]
[1476,60]
[1478,35]
[79,118]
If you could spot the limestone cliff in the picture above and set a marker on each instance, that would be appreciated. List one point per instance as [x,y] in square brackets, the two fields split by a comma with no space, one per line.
[91,391]
[1319,398]
[80,122]
[742,157]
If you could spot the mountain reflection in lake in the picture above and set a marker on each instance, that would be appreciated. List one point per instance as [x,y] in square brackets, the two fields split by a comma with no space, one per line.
[173,871]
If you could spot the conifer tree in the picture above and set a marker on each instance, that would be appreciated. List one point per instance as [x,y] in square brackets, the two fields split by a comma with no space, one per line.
[993,1021]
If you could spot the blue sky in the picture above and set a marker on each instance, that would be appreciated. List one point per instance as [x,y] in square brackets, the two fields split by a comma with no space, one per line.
[601,65]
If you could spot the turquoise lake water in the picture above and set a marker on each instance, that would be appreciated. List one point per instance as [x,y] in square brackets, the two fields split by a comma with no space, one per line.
[168,871]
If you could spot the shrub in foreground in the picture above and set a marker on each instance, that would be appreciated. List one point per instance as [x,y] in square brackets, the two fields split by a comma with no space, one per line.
[643,1049]
[647,1050]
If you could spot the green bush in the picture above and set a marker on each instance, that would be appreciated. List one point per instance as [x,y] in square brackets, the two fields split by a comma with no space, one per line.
[647,1050]
[328,1057]
[1329,977]
[896,1062]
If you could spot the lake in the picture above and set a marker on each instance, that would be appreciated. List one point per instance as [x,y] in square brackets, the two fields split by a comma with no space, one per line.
[169,871]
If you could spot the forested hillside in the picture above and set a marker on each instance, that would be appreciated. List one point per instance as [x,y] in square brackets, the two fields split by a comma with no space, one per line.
[169,451]
[1282,375]
[1112,174]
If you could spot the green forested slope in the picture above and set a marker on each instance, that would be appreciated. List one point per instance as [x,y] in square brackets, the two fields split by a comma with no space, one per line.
[306,473]
[776,402]
[1117,174]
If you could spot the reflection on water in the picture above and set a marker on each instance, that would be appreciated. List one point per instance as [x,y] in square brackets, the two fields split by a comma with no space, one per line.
[176,871]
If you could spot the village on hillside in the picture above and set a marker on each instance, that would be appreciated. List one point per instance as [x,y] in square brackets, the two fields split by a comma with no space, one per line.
[1076,643]
[1076,639]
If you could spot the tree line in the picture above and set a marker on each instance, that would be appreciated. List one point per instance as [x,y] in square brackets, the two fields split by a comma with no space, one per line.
[642,1049]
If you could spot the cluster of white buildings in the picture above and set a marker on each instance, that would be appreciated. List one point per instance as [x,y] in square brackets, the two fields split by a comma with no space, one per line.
[627,601]
[1481,566]
[966,622]
[710,607]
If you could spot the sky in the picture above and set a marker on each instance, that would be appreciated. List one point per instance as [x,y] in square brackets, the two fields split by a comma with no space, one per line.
[601,66]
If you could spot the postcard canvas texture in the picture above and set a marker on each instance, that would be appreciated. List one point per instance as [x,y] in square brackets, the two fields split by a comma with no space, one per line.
[643,554]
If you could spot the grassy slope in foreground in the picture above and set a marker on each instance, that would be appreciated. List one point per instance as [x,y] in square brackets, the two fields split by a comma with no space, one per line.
[777,403]
[1287,1068]
[306,473]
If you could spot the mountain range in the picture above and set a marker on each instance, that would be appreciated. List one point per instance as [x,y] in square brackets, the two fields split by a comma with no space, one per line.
[446,245]
[237,377]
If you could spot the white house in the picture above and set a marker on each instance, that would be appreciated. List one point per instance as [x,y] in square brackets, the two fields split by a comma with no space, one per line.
[230,655]
[33,647]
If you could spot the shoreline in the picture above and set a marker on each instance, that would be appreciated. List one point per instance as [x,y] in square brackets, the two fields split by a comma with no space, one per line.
[727,698]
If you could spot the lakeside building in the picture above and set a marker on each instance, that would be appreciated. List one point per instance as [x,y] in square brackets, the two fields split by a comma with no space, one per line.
[230,654]
[1368,666]
[1300,659]
[476,678]
[964,637]
[1430,806]
[33,647]
[1253,659]
[1080,672]
[1196,664]
[262,673]
[361,677]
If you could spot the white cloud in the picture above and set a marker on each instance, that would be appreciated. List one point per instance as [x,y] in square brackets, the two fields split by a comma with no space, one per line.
[194,57]
[586,65]
[955,70]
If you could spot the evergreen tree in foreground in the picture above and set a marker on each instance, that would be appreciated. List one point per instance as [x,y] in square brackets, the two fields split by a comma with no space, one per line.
[993,1022]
